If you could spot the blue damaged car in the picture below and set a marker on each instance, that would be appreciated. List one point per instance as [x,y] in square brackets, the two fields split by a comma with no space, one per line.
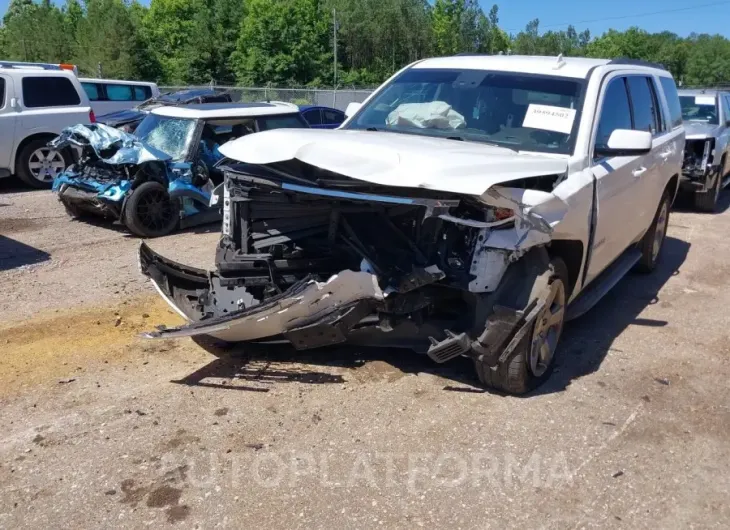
[161,178]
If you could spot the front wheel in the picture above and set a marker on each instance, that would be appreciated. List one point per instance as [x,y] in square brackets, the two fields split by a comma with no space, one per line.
[150,211]
[532,361]
[653,241]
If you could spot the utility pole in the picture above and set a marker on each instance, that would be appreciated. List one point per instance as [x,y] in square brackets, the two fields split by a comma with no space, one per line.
[334,38]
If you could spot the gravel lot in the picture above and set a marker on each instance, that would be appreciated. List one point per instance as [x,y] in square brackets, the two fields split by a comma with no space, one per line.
[102,429]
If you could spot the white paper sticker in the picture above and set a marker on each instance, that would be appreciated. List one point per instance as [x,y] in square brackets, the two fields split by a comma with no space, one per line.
[705,100]
[549,118]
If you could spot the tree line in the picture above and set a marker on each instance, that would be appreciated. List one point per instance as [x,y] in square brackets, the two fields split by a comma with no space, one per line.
[291,42]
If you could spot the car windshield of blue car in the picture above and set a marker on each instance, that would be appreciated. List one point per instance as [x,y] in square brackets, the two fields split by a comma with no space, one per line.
[699,108]
[518,111]
[172,136]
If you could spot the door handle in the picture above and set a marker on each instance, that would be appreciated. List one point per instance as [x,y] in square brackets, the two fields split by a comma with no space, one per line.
[638,171]
[666,154]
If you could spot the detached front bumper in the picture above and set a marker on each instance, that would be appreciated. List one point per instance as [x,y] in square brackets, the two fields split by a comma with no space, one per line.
[309,314]
[92,197]
[699,181]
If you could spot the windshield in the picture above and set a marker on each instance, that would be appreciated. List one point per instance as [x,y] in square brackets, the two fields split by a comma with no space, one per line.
[517,111]
[172,136]
[699,108]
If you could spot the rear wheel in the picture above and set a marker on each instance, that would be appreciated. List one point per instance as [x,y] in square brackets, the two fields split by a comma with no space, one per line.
[38,164]
[150,211]
[653,241]
[532,361]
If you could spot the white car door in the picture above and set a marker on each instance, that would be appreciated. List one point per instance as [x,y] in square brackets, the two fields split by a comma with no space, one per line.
[8,121]
[618,205]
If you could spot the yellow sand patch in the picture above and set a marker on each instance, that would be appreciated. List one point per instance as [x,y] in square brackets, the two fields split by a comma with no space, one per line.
[54,345]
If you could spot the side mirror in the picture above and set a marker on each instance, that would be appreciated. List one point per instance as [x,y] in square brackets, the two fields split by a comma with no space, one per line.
[352,108]
[626,142]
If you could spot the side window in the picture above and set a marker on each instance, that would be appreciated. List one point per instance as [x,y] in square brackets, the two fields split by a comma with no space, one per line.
[92,91]
[2,92]
[642,104]
[675,108]
[615,111]
[142,93]
[313,117]
[656,106]
[726,99]
[49,92]
[119,93]
[332,117]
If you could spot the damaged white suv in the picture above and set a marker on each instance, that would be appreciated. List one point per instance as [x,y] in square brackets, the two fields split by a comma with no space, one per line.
[470,207]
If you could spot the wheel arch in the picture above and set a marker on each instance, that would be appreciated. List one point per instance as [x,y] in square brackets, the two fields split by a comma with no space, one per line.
[571,251]
[673,187]
[24,143]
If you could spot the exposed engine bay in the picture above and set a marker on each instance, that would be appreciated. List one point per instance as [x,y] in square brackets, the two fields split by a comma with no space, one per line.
[698,157]
[316,258]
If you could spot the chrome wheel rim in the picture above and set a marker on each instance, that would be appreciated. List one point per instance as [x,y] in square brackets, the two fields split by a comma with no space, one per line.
[46,164]
[660,231]
[548,327]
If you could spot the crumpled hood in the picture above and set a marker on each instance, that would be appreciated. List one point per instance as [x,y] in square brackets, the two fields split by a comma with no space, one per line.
[696,130]
[110,145]
[394,159]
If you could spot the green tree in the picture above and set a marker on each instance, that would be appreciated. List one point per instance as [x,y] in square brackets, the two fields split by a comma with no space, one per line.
[35,32]
[106,40]
[283,42]
[447,26]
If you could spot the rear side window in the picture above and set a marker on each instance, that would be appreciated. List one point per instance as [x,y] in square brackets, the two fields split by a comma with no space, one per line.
[313,117]
[615,112]
[119,93]
[49,92]
[293,121]
[332,117]
[675,109]
[142,93]
[642,104]
[2,92]
[92,91]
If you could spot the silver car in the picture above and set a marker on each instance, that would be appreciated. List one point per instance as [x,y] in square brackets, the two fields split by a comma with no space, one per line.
[706,115]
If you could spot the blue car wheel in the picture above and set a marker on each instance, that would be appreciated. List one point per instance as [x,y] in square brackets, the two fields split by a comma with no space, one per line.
[150,211]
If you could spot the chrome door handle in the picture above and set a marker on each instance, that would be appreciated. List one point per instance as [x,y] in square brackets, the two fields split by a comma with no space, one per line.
[666,154]
[638,171]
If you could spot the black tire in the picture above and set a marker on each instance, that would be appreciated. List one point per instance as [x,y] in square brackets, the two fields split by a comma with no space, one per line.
[150,212]
[650,256]
[515,375]
[706,201]
[22,164]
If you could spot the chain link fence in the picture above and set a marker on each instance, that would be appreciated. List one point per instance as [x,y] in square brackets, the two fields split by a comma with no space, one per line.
[336,98]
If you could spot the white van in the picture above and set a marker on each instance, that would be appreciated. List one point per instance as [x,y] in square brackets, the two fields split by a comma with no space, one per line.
[111,95]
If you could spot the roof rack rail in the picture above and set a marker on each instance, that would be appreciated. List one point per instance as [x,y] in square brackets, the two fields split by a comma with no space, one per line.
[636,62]
[40,66]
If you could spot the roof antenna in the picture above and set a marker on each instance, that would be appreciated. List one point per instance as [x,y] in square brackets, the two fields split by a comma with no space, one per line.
[559,63]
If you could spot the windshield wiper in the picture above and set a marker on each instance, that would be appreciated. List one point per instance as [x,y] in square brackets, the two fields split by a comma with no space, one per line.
[372,129]
[458,138]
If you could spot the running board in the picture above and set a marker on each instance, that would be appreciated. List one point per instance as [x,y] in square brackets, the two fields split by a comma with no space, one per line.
[604,283]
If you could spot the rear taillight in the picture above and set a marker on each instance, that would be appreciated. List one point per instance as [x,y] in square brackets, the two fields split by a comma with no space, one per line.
[92,117]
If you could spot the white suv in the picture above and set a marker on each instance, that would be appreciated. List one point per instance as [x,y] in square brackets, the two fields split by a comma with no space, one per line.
[36,103]
[470,207]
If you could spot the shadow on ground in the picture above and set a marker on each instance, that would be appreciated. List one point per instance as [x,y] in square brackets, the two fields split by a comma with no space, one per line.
[14,254]
[585,344]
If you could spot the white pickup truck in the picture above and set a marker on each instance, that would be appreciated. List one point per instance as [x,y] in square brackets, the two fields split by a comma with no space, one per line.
[37,101]
[469,207]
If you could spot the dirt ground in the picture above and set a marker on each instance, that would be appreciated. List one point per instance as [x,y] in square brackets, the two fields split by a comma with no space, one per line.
[101,428]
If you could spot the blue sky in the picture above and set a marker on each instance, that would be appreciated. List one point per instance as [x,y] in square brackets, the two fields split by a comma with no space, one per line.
[514,14]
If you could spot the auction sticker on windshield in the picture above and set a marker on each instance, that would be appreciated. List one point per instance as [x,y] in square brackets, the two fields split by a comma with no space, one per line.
[549,118]
[704,100]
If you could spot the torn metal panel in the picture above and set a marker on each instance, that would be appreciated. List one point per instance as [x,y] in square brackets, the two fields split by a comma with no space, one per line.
[111,145]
